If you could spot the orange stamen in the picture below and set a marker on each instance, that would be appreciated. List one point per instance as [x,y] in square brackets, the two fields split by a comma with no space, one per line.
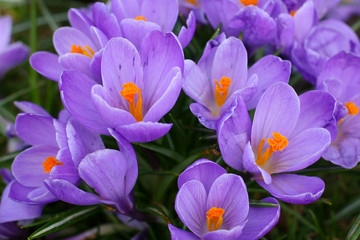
[129,92]
[192,2]
[49,163]
[140,18]
[352,110]
[222,91]
[87,51]
[249,2]
[292,13]
[277,144]
[214,218]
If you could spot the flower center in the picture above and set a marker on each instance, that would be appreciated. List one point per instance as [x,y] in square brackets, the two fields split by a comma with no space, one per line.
[222,91]
[249,2]
[87,51]
[140,18]
[292,13]
[129,92]
[49,163]
[214,218]
[278,143]
[192,2]
[352,110]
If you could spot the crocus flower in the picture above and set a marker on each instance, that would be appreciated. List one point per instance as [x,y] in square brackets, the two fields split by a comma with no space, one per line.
[221,74]
[138,18]
[322,42]
[340,78]
[345,10]
[252,18]
[10,54]
[55,151]
[139,88]
[288,134]
[196,6]
[214,205]
[111,173]
[78,47]
[12,211]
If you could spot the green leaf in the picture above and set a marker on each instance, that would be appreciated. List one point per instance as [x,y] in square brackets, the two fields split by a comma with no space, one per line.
[217,31]
[64,220]
[164,151]
[348,210]
[9,156]
[354,232]
[257,203]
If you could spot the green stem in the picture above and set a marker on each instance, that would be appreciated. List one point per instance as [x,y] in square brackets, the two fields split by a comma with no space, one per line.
[35,96]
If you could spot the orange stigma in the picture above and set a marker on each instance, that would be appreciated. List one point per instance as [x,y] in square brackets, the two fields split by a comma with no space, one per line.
[249,2]
[87,51]
[192,2]
[292,13]
[140,18]
[352,110]
[129,92]
[49,163]
[214,218]
[277,144]
[222,91]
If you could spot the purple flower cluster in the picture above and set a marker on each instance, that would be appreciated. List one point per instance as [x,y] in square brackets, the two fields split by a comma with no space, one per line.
[120,70]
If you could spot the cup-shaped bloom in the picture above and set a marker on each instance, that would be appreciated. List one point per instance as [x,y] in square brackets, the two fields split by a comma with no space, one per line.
[221,74]
[214,205]
[138,18]
[78,47]
[138,88]
[288,134]
[111,173]
[244,16]
[340,78]
[10,54]
[322,42]
[56,146]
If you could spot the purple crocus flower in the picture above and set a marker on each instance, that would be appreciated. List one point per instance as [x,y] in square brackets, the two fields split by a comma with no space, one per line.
[78,47]
[56,147]
[111,173]
[288,134]
[13,54]
[12,211]
[322,42]
[214,205]
[139,88]
[221,74]
[345,10]
[138,18]
[252,18]
[340,78]
[196,6]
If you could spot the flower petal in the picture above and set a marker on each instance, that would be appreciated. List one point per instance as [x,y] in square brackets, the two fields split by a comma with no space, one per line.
[77,62]
[6,25]
[204,115]
[294,188]
[229,193]
[186,34]
[162,12]
[269,69]
[179,234]
[233,133]
[234,233]
[204,171]
[277,111]
[27,167]
[29,107]
[190,205]
[261,220]
[75,89]
[143,131]
[47,64]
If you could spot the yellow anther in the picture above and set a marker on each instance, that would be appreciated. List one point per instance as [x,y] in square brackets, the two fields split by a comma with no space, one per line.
[129,92]
[352,110]
[292,13]
[278,143]
[49,163]
[87,51]
[214,218]
[249,2]
[192,2]
[221,92]
[140,18]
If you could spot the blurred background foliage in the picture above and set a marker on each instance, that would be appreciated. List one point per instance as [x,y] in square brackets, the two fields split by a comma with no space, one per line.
[335,216]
